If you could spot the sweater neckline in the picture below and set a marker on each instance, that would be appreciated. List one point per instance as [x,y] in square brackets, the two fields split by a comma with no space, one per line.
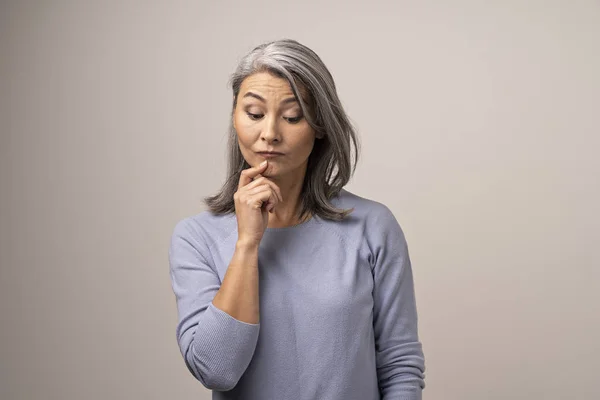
[296,227]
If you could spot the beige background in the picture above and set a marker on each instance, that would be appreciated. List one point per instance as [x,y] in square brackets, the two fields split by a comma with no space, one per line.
[479,124]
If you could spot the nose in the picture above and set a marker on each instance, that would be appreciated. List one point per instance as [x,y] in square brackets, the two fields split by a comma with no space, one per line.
[270,132]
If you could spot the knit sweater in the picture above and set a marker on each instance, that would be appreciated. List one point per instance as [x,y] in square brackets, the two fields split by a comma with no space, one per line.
[338,317]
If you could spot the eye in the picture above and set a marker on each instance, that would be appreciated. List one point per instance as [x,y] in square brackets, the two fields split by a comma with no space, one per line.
[291,120]
[294,120]
[254,117]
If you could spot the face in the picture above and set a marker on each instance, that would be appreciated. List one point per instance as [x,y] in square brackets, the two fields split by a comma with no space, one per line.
[267,117]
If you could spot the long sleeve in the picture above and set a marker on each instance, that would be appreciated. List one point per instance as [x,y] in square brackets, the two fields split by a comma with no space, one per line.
[216,347]
[399,355]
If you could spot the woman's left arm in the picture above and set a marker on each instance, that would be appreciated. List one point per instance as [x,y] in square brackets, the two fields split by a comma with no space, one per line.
[399,354]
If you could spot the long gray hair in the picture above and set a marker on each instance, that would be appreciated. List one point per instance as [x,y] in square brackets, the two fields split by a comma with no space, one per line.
[330,164]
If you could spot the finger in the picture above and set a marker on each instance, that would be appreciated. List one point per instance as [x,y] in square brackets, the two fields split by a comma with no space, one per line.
[247,175]
[261,199]
[259,182]
[262,188]
[273,184]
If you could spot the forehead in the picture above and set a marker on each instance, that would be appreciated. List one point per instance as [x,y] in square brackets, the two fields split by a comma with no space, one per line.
[268,85]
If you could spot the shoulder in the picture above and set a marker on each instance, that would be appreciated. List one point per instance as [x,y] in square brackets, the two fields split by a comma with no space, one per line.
[371,219]
[374,224]
[365,209]
[205,227]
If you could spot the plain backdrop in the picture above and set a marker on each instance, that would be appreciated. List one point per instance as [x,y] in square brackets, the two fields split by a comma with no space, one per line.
[480,128]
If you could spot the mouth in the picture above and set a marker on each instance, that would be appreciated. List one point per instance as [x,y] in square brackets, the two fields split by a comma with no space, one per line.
[269,154]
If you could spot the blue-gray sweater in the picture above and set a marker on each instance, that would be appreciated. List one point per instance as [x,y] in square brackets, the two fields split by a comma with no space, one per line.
[338,318]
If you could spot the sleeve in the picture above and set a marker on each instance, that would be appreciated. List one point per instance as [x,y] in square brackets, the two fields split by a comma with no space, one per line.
[216,347]
[399,354]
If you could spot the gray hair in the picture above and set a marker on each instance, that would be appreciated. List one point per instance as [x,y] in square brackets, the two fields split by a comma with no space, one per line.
[330,164]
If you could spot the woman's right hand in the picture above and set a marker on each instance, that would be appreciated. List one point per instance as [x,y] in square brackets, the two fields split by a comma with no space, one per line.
[255,198]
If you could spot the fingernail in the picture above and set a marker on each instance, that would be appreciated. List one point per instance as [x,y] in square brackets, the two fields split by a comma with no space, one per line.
[262,164]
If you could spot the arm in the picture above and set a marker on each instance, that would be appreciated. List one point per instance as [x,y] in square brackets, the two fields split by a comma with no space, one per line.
[399,355]
[216,347]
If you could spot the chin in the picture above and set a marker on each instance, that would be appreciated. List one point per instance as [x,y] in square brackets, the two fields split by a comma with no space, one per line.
[270,171]
[273,171]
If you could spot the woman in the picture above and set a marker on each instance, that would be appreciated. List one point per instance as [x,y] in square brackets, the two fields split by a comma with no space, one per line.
[289,286]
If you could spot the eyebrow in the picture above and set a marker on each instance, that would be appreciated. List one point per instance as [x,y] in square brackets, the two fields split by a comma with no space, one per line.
[256,96]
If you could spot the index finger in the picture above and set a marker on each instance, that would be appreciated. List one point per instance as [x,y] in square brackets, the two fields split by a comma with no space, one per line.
[248,174]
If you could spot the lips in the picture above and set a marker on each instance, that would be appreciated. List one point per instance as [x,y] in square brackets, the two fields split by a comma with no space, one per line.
[270,156]
[270,153]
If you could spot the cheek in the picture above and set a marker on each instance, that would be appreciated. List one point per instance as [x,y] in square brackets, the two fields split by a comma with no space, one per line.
[305,146]
[246,128]
[242,131]
[237,122]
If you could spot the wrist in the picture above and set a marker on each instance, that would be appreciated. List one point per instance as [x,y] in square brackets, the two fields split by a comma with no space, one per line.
[246,245]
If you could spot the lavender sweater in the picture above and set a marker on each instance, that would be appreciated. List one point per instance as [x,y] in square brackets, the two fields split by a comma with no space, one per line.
[338,318]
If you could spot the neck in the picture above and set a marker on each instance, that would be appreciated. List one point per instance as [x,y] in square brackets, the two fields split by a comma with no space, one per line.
[286,213]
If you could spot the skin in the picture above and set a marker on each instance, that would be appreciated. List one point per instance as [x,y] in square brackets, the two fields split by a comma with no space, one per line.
[275,125]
